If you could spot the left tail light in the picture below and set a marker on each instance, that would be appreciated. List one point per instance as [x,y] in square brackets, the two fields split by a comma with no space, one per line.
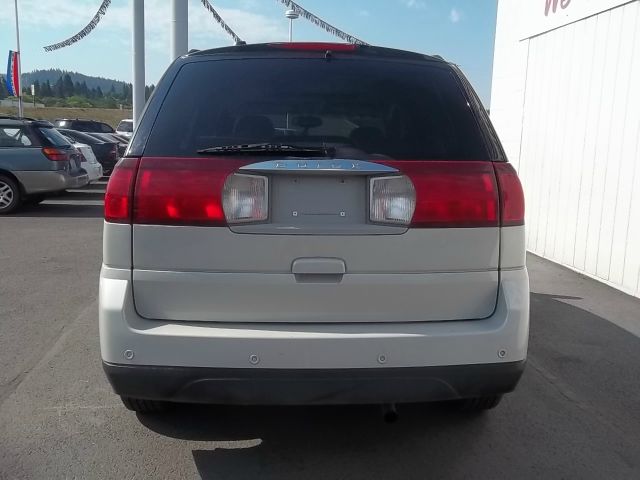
[55,154]
[118,198]
[189,191]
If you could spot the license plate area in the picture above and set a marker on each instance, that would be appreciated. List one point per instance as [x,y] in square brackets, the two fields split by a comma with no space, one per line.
[315,200]
[318,204]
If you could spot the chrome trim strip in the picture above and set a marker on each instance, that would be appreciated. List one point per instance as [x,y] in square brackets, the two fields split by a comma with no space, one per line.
[320,167]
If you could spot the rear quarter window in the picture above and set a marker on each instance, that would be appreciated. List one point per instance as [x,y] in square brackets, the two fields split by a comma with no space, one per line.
[364,108]
[125,126]
[54,137]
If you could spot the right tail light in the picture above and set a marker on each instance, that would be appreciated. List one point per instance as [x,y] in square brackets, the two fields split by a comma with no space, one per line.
[511,195]
[449,194]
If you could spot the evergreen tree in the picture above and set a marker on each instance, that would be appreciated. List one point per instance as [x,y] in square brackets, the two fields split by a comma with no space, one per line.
[99,93]
[4,93]
[67,86]
[46,90]
[58,89]
[38,87]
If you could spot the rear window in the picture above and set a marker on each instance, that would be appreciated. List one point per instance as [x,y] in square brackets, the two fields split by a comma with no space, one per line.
[125,126]
[54,137]
[366,109]
[81,137]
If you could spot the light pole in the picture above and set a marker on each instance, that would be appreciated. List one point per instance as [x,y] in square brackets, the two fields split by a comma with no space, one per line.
[291,15]
[179,28]
[138,60]
[19,86]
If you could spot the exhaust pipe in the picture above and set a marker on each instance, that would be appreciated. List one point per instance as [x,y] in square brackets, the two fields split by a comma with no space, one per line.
[389,413]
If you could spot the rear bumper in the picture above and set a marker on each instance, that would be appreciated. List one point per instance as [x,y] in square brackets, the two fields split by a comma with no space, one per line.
[94,171]
[305,387]
[50,181]
[312,363]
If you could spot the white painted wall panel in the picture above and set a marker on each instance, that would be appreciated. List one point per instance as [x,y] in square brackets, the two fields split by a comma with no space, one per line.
[566,105]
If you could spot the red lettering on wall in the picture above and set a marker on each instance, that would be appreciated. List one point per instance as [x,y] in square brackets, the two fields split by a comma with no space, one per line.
[552,5]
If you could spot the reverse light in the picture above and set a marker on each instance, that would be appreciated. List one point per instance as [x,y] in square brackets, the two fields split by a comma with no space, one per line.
[392,200]
[245,198]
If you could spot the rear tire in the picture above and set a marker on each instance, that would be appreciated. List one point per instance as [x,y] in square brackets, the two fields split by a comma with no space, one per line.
[478,404]
[140,405]
[10,195]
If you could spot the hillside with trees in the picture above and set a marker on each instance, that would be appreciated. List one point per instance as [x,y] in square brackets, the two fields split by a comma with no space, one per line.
[58,88]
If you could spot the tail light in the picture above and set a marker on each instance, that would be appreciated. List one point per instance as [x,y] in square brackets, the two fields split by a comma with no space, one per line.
[114,152]
[55,154]
[118,206]
[452,194]
[245,198]
[511,195]
[392,200]
[184,191]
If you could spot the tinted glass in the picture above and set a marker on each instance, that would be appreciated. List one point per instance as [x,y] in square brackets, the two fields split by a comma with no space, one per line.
[11,136]
[54,137]
[125,126]
[81,137]
[103,127]
[367,109]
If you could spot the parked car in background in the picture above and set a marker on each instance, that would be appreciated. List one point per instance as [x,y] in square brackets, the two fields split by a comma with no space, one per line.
[89,162]
[125,128]
[82,125]
[35,161]
[106,152]
[314,223]
[110,137]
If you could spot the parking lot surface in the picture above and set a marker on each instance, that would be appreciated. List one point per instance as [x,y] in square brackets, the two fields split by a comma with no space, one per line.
[576,413]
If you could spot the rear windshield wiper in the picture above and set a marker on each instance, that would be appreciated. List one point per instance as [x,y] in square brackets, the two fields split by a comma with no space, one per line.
[268,149]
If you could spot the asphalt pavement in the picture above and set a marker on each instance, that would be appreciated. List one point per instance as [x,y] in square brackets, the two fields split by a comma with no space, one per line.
[575,414]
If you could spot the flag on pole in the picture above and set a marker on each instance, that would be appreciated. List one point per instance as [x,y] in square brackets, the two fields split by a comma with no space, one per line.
[13,78]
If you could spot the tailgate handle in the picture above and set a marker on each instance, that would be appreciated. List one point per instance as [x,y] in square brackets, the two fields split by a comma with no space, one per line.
[318,266]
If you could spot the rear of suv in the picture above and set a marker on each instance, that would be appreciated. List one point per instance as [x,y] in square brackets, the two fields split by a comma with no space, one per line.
[312,224]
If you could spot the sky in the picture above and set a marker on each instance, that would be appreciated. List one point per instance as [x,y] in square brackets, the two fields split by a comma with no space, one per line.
[462,31]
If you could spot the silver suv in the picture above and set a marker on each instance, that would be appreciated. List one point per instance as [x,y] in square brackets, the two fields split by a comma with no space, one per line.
[310,224]
[35,161]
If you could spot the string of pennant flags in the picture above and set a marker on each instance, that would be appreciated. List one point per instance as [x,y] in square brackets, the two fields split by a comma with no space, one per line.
[221,22]
[85,31]
[307,15]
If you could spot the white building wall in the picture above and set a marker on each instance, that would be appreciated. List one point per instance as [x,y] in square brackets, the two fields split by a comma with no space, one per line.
[566,104]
